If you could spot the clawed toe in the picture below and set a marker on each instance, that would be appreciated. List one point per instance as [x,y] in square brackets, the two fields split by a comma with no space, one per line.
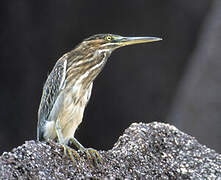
[70,152]
[93,155]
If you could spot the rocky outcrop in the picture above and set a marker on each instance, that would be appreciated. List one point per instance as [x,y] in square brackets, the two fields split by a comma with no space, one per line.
[144,151]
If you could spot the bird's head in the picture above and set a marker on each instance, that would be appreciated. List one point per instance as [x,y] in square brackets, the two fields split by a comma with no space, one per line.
[110,42]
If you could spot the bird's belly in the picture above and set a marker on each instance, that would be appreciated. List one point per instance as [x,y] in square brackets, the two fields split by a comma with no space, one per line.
[69,117]
[69,113]
[72,114]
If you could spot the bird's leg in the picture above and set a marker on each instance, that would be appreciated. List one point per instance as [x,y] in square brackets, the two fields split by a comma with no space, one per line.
[91,153]
[66,148]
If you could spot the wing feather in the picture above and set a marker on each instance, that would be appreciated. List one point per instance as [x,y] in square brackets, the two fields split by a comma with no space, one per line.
[51,90]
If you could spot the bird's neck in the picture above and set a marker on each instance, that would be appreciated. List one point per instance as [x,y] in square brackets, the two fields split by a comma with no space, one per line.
[82,70]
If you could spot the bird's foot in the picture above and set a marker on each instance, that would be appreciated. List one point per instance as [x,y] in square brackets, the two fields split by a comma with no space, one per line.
[92,155]
[70,152]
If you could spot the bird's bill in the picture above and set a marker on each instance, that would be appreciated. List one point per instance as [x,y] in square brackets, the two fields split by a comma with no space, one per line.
[125,41]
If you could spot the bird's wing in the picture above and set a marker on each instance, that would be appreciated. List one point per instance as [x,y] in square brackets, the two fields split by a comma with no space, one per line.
[52,88]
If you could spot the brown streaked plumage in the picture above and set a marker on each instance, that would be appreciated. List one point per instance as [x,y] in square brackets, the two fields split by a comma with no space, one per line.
[67,89]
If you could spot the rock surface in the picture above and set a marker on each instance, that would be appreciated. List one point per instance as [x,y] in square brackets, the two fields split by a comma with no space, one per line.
[144,151]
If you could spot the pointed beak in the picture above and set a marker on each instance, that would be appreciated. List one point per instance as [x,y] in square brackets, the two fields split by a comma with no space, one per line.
[125,41]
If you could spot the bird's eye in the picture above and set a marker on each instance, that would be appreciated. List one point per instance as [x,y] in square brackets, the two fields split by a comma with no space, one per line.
[108,38]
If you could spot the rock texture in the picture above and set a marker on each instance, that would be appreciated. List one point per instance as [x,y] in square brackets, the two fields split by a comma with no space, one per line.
[144,151]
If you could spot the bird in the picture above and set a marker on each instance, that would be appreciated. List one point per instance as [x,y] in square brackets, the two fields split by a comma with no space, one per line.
[68,88]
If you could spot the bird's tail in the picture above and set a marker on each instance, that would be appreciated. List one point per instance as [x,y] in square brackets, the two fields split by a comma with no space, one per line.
[40,132]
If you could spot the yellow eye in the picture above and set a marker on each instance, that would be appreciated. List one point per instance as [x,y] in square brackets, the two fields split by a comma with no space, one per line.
[108,38]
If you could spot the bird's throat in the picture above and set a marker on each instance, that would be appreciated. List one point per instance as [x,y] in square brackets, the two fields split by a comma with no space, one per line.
[84,71]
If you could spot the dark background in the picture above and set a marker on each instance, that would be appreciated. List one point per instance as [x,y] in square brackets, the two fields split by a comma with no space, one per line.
[165,81]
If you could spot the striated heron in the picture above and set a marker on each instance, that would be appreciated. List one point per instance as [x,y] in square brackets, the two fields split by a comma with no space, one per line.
[67,89]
